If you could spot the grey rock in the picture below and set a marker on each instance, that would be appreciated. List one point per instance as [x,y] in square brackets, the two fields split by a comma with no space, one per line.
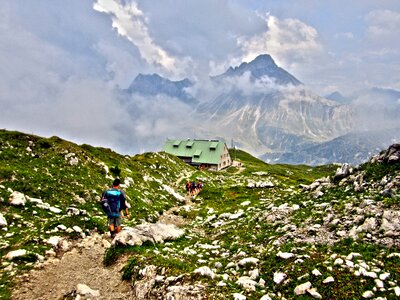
[3,221]
[279,277]
[17,199]
[237,296]
[302,288]
[342,172]
[16,253]
[84,290]
[205,271]
[248,261]
[368,294]
[247,283]
[391,223]
[156,233]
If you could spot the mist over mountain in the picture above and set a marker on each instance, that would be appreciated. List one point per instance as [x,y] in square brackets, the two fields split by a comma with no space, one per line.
[265,110]
[338,97]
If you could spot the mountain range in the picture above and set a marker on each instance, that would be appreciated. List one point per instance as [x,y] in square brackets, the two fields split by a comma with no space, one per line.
[267,111]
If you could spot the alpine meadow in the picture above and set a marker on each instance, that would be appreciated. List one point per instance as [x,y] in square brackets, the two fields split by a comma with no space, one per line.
[199,150]
[255,231]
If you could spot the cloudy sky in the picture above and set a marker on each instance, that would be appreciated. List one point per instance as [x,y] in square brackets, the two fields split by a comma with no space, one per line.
[61,61]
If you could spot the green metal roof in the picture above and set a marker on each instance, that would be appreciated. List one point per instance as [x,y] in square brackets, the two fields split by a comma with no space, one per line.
[197,152]
[201,151]
[214,145]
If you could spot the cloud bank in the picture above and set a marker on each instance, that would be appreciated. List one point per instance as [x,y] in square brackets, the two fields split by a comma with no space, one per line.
[63,66]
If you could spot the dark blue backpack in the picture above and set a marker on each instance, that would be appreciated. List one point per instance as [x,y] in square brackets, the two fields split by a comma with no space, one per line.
[111,203]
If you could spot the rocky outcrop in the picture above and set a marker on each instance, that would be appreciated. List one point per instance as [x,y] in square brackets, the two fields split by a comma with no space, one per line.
[148,232]
[343,172]
[390,155]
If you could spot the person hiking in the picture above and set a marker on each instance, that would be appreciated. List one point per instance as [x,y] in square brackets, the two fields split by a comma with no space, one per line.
[113,202]
[200,186]
[188,184]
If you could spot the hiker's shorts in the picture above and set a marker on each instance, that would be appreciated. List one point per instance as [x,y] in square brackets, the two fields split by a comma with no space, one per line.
[117,221]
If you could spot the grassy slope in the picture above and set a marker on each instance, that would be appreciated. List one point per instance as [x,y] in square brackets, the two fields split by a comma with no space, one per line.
[252,236]
[43,171]
[224,192]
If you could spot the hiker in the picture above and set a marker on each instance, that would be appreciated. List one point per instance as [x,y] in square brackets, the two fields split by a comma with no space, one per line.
[200,186]
[113,202]
[188,188]
[193,188]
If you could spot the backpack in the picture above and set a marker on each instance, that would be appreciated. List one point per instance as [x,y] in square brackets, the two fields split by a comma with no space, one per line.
[111,203]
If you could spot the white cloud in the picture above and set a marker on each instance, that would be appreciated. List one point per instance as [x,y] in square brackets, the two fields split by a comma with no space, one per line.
[290,41]
[58,75]
[130,22]
[383,24]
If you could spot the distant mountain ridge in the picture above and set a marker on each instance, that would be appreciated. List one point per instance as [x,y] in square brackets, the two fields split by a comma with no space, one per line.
[354,147]
[152,85]
[268,112]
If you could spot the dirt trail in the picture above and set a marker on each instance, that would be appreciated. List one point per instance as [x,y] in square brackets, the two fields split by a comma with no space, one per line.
[58,279]
[85,265]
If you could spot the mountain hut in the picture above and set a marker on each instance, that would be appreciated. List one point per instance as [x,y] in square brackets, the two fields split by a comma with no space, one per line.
[205,154]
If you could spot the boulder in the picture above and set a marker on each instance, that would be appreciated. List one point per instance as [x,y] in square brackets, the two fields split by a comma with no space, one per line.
[16,253]
[368,294]
[155,233]
[285,255]
[17,199]
[248,261]
[54,241]
[205,271]
[247,283]
[391,223]
[254,274]
[143,287]
[77,229]
[3,221]
[391,155]
[84,290]
[313,292]
[342,172]
[328,279]
[184,292]
[279,277]
[302,288]
[369,225]
[237,296]
[316,272]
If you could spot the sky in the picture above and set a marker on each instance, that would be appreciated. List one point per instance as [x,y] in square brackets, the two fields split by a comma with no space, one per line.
[61,62]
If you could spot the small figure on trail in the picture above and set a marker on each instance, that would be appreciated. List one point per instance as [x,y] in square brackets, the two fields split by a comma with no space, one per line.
[200,186]
[113,202]
[193,188]
[188,188]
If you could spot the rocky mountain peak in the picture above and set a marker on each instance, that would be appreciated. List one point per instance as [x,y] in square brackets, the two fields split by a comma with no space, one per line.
[263,60]
[263,66]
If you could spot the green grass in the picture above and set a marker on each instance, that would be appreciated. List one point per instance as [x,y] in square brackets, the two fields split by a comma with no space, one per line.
[48,175]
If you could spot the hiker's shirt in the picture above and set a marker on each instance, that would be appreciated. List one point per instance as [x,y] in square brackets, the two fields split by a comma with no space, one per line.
[113,202]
